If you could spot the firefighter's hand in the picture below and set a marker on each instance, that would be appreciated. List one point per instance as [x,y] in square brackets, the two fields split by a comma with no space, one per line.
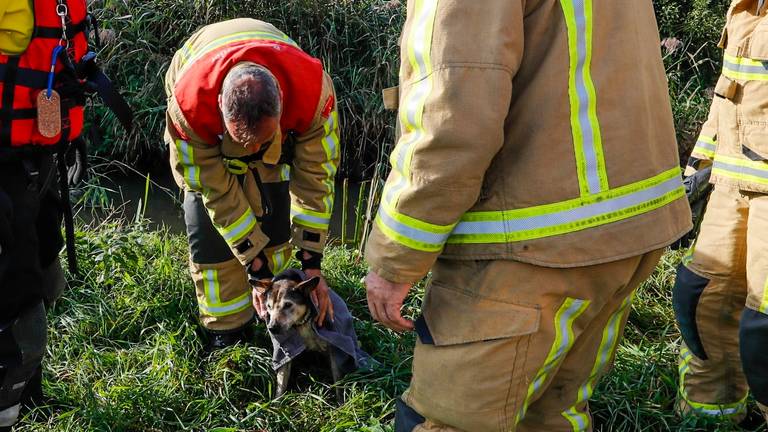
[320,297]
[385,299]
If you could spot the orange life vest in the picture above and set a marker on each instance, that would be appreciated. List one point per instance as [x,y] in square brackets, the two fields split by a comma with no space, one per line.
[23,77]
[299,75]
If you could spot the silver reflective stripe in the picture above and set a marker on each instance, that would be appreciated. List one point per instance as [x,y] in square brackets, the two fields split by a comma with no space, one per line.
[587,128]
[741,169]
[565,344]
[210,280]
[411,232]
[706,145]
[228,308]
[310,218]
[9,416]
[745,68]
[568,216]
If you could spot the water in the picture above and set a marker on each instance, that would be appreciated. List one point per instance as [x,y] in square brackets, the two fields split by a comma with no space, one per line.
[120,194]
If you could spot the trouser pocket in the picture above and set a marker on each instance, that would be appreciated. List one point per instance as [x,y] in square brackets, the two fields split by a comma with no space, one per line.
[685,299]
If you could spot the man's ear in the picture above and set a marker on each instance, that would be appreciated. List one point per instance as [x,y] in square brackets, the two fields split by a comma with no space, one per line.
[308,285]
[262,286]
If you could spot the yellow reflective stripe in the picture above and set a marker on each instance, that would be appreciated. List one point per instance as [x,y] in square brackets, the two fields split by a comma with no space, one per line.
[191,172]
[741,68]
[716,410]
[705,146]
[418,45]
[310,218]
[211,286]
[280,258]
[190,54]
[569,311]
[231,307]
[569,216]
[585,127]
[611,335]
[764,305]
[412,232]
[330,144]
[285,172]
[238,229]
[741,169]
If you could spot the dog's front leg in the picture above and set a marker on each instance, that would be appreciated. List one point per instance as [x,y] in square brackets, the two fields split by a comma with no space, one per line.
[283,375]
[337,376]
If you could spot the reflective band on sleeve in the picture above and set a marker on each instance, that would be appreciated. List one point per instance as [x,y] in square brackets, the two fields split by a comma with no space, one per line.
[569,216]
[705,146]
[741,169]
[570,310]
[411,232]
[714,410]
[611,334]
[239,229]
[310,218]
[187,160]
[330,144]
[744,69]
[764,305]
[418,46]
[585,126]
[190,54]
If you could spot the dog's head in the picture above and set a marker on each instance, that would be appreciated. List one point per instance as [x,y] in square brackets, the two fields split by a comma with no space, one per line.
[288,302]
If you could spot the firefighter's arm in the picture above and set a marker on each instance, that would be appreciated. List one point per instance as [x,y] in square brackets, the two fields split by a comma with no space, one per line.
[201,168]
[454,98]
[316,158]
[706,145]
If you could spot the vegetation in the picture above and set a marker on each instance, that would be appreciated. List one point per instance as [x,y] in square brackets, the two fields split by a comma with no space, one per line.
[357,41]
[125,354]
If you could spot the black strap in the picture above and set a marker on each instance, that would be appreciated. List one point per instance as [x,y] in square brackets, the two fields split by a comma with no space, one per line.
[112,98]
[24,77]
[69,223]
[55,32]
[9,87]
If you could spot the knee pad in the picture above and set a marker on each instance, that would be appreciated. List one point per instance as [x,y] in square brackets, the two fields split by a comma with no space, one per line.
[22,345]
[753,340]
[406,418]
[685,298]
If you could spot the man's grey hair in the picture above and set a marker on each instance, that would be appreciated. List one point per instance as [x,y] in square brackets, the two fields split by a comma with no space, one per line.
[249,94]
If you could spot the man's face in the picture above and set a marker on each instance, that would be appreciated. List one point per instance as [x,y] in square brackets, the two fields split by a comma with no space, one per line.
[255,139]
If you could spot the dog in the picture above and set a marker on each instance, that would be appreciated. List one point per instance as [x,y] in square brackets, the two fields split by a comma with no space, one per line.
[291,325]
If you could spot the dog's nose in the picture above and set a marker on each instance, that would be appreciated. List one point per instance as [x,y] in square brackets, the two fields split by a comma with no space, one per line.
[274,328]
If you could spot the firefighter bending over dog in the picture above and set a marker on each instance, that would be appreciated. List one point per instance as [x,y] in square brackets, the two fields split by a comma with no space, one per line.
[721,293]
[536,174]
[253,135]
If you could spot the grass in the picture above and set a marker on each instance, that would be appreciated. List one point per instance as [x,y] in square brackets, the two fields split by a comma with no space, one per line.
[124,354]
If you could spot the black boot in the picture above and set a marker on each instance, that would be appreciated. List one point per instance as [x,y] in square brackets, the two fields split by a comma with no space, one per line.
[33,391]
[223,339]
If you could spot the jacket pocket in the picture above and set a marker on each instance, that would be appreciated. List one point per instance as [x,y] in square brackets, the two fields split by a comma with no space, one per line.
[758,44]
[754,140]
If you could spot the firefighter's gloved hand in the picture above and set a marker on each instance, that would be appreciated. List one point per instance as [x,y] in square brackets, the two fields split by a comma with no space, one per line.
[310,264]
[77,161]
[697,189]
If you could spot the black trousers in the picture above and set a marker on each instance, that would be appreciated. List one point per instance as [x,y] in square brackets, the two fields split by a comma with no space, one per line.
[30,273]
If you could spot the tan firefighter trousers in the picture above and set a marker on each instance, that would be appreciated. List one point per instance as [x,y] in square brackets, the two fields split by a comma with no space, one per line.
[725,349]
[505,345]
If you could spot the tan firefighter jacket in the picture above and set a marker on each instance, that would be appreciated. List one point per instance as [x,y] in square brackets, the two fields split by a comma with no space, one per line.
[735,136]
[205,167]
[532,130]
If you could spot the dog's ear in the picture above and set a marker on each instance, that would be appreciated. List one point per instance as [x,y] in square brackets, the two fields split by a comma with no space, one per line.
[262,286]
[308,285]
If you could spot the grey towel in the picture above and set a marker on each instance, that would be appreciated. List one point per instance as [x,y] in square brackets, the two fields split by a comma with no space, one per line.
[339,334]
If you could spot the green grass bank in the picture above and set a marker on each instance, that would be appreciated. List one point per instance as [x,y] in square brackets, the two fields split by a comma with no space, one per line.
[124,354]
[358,43]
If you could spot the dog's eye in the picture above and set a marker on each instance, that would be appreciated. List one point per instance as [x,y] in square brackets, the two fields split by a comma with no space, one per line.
[287,306]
